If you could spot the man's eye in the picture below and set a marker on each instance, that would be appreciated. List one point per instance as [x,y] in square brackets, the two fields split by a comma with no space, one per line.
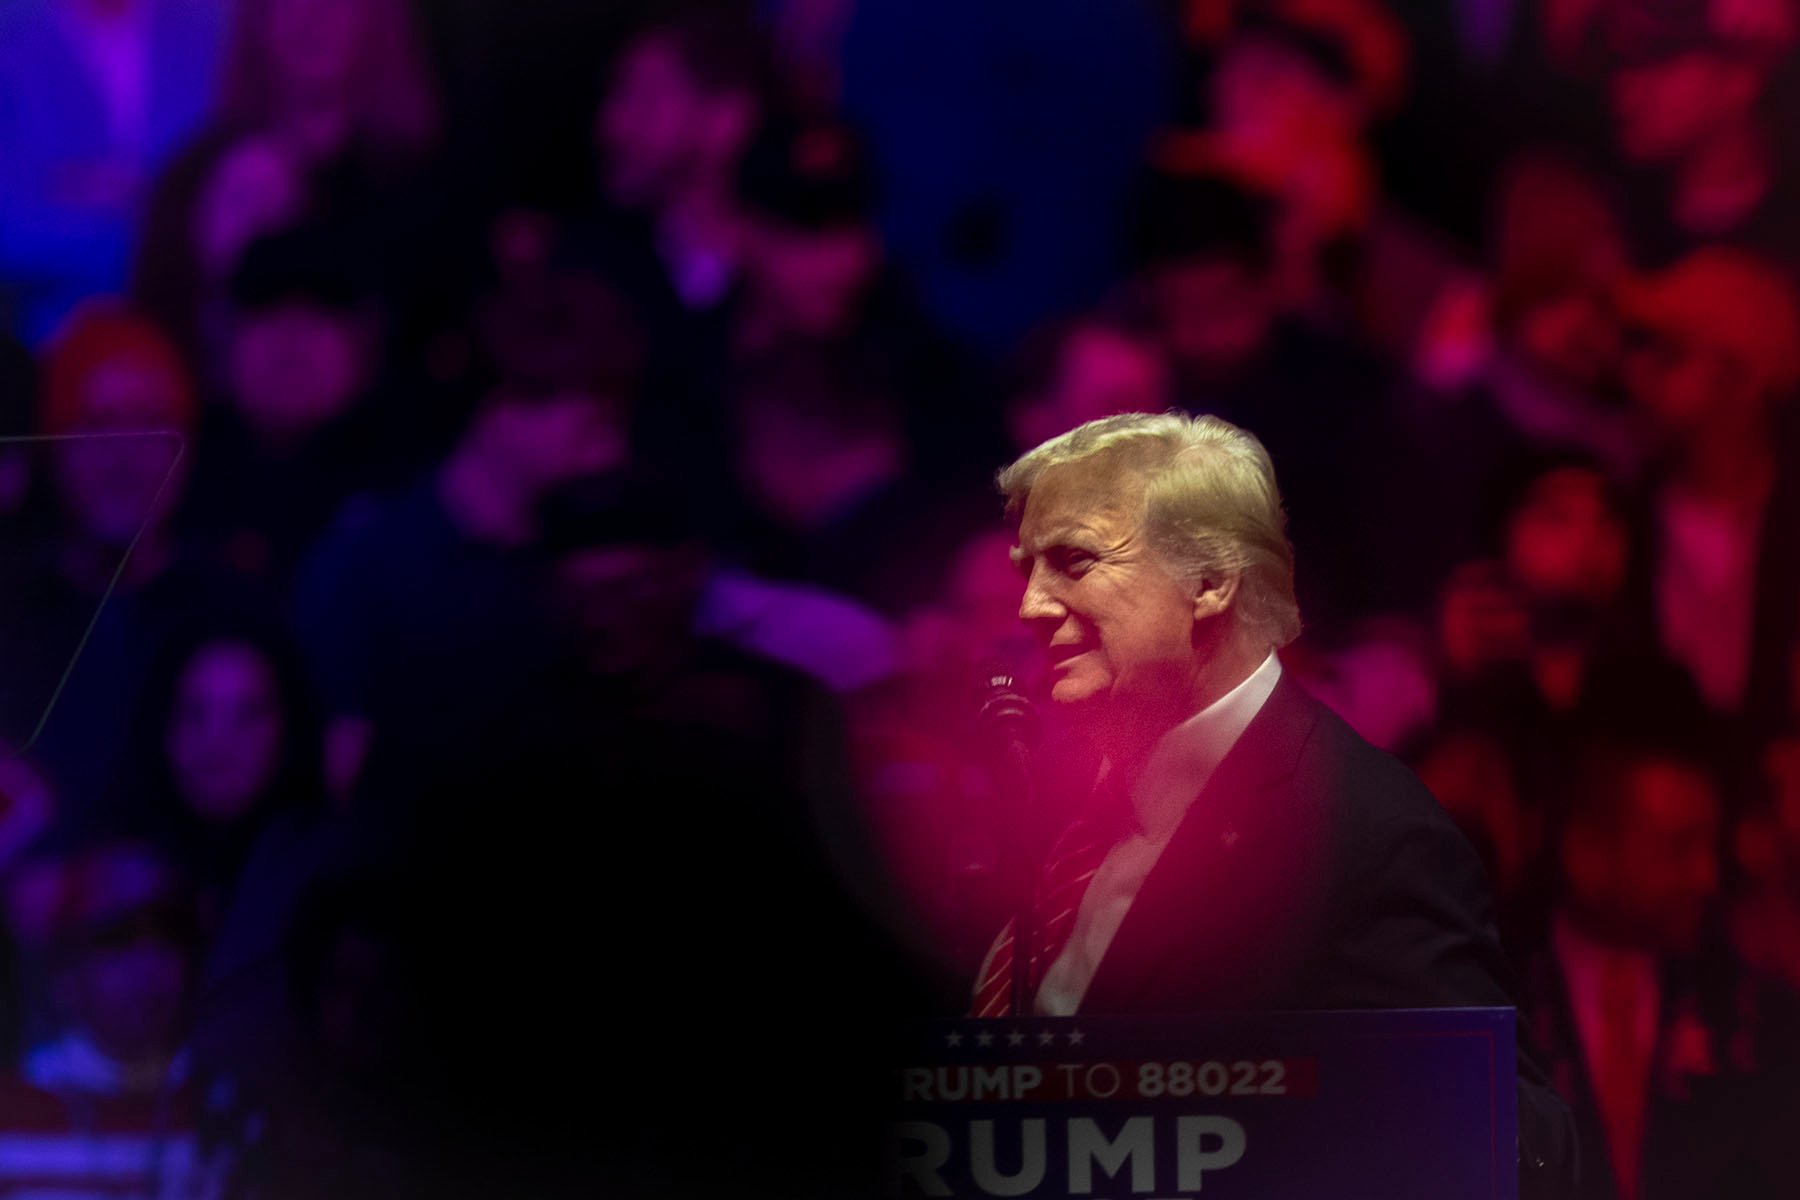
[1071,561]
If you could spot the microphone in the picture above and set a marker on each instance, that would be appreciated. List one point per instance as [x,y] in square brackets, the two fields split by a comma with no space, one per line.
[1006,718]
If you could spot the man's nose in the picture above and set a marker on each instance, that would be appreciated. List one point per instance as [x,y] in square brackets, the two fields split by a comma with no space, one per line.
[1038,604]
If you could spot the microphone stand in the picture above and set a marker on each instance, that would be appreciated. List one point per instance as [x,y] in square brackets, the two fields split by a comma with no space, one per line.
[1011,723]
[1022,870]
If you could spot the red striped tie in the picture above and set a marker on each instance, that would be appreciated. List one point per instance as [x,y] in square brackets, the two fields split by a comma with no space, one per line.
[1073,860]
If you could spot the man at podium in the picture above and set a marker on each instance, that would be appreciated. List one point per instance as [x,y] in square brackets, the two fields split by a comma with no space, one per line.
[1241,848]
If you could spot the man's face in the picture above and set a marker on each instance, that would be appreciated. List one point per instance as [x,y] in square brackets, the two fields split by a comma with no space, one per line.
[294,369]
[627,606]
[109,484]
[1117,626]
[1663,109]
[225,731]
[130,995]
[814,279]
[651,125]
[1565,541]
[1660,869]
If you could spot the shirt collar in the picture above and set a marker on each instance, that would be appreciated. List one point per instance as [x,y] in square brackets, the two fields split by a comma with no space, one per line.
[1185,758]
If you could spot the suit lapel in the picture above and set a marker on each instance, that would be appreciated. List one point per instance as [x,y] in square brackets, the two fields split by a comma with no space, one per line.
[1175,945]
[1668,1124]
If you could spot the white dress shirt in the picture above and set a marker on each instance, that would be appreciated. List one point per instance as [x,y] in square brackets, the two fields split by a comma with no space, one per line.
[1173,777]
[1585,964]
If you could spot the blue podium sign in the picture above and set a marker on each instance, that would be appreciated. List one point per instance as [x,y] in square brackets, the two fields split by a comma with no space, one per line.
[1396,1105]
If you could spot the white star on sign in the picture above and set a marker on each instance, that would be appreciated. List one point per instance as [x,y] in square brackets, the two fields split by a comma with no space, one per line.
[1075,1036]
[984,1038]
[953,1039]
[1015,1038]
[1046,1037]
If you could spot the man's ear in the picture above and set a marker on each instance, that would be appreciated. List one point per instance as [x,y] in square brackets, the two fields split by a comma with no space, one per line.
[1215,597]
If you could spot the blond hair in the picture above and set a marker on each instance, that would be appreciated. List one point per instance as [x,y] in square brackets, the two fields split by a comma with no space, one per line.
[1211,505]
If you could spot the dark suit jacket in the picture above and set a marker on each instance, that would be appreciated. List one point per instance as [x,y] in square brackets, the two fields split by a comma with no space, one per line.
[1316,872]
[1721,1108]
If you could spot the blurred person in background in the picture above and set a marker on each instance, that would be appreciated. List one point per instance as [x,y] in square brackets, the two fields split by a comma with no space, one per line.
[1542,365]
[94,96]
[626,574]
[328,112]
[683,98]
[1080,369]
[1561,535]
[1484,83]
[1713,361]
[333,78]
[223,194]
[1765,847]
[416,610]
[1765,842]
[1669,1055]
[217,758]
[1205,274]
[122,402]
[1472,773]
[344,1117]
[666,730]
[123,407]
[1380,677]
[1209,278]
[548,323]
[227,781]
[111,1102]
[1529,359]
[1549,641]
[1543,647]
[823,457]
[303,421]
[815,272]
[811,253]
[1689,87]
[1291,92]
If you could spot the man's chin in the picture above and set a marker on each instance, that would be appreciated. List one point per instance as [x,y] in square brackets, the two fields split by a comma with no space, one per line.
[1075,693]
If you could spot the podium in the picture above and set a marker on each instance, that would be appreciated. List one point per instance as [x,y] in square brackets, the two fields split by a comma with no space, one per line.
[1417,1104]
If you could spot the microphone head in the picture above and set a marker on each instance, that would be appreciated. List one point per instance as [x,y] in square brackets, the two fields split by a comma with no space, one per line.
[1005,714]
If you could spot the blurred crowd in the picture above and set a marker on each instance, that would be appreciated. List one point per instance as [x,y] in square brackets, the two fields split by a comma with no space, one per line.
[500,549]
